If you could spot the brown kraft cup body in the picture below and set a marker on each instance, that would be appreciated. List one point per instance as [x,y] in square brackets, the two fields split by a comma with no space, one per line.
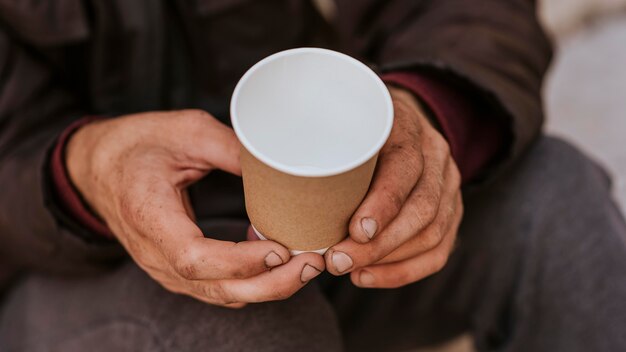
[302,213]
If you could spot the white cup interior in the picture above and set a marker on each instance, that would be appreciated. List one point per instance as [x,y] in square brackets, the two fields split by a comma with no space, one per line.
[311,112]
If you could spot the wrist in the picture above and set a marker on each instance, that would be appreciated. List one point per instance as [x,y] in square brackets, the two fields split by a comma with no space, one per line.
[75,160]
[69,204]
[78,160]
[407,99]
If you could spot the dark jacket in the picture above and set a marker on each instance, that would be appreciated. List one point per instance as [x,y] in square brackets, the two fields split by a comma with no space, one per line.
[61,60]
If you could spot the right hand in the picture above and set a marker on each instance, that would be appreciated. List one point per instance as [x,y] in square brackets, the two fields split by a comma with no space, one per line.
[133,172]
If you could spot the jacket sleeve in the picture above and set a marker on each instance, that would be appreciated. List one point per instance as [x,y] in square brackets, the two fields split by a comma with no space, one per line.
[494,48]
[34,110]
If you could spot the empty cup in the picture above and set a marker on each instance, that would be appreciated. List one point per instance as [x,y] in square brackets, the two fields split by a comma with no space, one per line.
[311,123]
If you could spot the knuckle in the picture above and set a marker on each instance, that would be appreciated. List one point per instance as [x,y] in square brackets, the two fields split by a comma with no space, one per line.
[133,205]
[243,266]
[401,278]
[413,164]
[455,175]
[441,144]
[439,262]
[216,292]
[444,146]
[423,214]
[375,252]
[393,199]
[128,207]
[239,272]
[460,209]
[280,294]
[409,152]
[415,223]
[433,238]
[194,116]
[187,271]
[427,214]
[186,266]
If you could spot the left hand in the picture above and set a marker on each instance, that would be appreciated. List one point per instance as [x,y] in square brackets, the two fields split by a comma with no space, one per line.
[405,228]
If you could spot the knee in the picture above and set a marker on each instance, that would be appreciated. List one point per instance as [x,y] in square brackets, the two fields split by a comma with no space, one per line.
[303,322]
[552,176]
[551,220]
[561,167]
[559,188]
[125,310]
[554,171]
[554,194]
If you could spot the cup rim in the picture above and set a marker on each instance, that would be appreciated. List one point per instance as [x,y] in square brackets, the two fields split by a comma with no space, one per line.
[318,172]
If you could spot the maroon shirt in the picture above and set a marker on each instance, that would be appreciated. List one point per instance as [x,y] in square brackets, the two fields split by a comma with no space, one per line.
[474,140]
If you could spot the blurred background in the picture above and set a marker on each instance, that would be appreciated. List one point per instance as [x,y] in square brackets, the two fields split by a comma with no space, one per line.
[585,91]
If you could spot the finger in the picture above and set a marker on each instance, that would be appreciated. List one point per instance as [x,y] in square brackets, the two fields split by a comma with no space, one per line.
[200,295]
[402,273]
[178,285]
[432,236]
[399,166]
[418,212]
[235,305]
[162,219]
[449,217]
[181,287]
[277,284]
[208,259]
[203,138]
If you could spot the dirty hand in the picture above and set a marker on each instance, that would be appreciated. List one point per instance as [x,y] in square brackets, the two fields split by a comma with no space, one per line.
[405,228]
[133,172]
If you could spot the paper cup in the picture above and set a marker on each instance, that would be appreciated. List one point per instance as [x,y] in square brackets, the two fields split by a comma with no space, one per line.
[311,123]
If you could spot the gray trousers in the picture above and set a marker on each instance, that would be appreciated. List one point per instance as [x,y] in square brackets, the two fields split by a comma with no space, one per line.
[540,266]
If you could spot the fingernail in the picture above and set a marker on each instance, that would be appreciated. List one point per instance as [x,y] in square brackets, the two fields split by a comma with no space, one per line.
[308,273]
[341,261]
[366,278]
[272,260]
[369,226]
